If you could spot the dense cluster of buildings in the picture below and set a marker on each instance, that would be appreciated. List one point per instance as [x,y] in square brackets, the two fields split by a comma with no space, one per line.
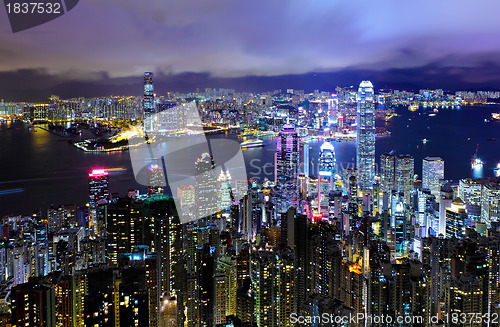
[367,240]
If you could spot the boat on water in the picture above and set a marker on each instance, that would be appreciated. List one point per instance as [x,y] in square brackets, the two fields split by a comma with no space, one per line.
[495,115]
[424,141]
[252,144]
[475,161]
[413,107]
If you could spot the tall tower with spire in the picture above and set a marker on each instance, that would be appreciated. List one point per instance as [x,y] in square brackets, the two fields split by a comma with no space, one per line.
[287,168]
[365,149]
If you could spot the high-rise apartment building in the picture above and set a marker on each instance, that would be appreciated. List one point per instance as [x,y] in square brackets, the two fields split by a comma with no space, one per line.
[33,304]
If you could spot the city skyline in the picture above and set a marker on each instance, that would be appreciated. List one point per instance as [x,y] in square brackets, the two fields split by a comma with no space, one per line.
[249,164]
[310,236]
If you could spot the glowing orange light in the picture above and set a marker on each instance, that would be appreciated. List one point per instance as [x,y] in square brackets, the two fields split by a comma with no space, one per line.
[355,268]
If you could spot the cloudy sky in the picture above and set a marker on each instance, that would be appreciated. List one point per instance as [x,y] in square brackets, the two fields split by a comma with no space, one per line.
[104,45]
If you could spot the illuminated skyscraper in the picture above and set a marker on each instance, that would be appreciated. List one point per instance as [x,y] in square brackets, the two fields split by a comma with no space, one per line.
[33,304]
[387,183]
[304,158]
[123,219]
[148,102]
[326,175]
[400,224]
[99,194]
[156,179]
[445,201]
[102,286]
[490,202]
[365,154]
[140,268]
[404,175]
[456,219]
[287,164]
[225,193]
[206,186]
[186,195]
[273,277]
[432,173]
[98,186]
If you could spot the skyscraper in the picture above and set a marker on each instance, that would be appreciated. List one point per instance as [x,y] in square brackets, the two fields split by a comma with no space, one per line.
[365,150]
[225,192]
[287,164]
[387,183]
[490,202]
[206,186]
[148,102]
[326,172]
[404,175]
[432,173]
[156,179]
[445,201]
[33,304]
[304,158]
[99,194]
[456,219]
[273,277]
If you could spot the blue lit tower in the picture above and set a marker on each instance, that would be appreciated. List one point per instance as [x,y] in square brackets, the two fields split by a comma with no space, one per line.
[326,173]
[287,165]
[148,101]
[365,150]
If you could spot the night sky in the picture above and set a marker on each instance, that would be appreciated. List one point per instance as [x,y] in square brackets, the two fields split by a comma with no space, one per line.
[103,46]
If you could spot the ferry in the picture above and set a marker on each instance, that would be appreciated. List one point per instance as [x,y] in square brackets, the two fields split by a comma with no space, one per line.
[475,162]
[495,115]
[252,144]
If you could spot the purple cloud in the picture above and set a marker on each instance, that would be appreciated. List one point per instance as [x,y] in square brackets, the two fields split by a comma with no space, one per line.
[237,38]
